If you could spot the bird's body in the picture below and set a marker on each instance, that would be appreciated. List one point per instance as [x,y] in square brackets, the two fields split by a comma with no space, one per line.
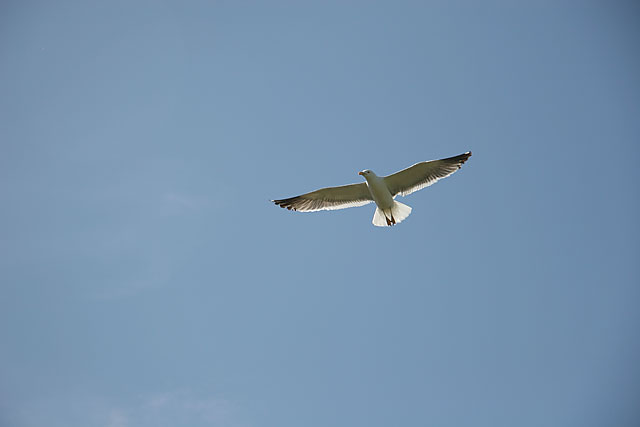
[380,190]
[383,200]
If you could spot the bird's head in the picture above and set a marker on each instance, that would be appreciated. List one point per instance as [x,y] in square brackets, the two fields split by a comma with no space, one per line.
[366,173]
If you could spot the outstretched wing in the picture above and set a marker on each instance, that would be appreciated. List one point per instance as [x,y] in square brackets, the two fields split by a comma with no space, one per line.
[423,174]
[331,198]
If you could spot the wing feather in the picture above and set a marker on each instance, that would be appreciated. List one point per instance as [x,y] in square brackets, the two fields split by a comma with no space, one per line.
[330,198]
[423,174]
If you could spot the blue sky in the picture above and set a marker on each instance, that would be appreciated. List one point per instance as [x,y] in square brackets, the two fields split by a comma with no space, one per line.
[146,279]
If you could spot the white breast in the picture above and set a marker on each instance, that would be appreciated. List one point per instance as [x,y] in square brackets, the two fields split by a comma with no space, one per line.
[379,191]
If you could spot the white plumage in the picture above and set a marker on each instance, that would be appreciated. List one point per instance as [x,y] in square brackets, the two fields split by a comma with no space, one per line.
[381,190]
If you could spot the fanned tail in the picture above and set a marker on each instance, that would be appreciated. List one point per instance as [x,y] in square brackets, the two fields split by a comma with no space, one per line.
[388,217]
[400,211]
[379,219]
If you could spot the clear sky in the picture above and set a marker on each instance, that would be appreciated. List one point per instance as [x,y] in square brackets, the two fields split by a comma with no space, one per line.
[146,280]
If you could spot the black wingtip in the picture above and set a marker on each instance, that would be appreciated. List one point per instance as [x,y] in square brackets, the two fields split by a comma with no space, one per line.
[287,203]
[461,159]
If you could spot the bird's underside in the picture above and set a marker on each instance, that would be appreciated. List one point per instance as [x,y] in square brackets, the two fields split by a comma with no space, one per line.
[381,190]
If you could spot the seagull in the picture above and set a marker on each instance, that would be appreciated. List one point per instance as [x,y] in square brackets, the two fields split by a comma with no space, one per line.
[381,190]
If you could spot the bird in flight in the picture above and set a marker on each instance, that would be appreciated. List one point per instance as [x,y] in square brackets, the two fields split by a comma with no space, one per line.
[379,189]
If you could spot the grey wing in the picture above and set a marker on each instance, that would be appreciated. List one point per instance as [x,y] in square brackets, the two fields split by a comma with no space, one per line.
[331,198]
[423,174]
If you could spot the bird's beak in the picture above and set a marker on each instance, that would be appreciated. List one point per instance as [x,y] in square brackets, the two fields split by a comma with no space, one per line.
[360,173]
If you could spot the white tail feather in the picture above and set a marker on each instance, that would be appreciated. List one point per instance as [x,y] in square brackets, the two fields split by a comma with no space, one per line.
[398,212]
[379,219]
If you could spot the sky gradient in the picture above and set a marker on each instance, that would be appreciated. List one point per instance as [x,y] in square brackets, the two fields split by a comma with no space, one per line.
[147,280]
